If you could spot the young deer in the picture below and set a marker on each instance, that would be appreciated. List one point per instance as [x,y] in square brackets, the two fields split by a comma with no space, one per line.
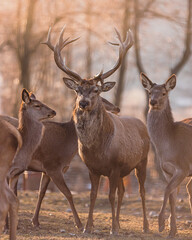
[53,156]
[10,141]
[172,141]
[109,145]
[31,113]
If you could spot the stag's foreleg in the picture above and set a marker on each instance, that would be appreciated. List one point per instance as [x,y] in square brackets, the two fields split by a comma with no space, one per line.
[113,183]
[172,218]
[120,192]
[141,176]
[45,179]
[189,190]
[58,179]
[93,195]
[175,181]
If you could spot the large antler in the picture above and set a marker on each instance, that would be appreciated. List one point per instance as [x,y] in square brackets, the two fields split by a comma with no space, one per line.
[123,48]
[57,53]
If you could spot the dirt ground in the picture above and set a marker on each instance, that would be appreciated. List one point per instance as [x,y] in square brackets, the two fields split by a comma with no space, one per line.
[57,221]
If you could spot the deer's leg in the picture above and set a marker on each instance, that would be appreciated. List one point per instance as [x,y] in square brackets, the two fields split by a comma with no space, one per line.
[172,185]
[172,201]
[189,190]
[13,212]
[93,195]
[120,192]
[45,179]
[4,207]
[141,176]
[113,184]
[58,179]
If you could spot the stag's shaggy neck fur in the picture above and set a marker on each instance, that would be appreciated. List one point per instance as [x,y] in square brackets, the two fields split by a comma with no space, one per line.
[89,124]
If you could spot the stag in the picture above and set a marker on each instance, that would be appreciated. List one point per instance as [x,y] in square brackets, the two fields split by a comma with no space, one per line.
[172,141]
[109,145]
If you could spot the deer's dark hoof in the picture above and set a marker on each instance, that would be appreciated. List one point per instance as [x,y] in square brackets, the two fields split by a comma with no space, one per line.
[161,223]
[35,223]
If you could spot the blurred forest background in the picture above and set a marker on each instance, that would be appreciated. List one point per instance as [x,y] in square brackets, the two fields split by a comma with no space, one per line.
[162,33]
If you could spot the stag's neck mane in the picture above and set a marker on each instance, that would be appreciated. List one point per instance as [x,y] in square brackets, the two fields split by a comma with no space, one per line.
[92,125]
[160,125]
[30,129]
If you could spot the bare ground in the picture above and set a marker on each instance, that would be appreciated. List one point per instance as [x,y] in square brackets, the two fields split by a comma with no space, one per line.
[57,221]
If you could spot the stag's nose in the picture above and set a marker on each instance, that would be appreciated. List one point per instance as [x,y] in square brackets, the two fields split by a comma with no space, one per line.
[153,102]
[83,104]
[52,114]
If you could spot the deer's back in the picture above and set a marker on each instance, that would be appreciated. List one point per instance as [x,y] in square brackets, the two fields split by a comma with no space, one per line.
[59,144]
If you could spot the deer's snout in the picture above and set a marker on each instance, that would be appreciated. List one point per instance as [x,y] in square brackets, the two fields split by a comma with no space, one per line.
[83,104]
[52,114]
[153,102]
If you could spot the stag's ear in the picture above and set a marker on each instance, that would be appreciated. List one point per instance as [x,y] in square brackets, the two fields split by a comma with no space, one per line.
[70,83]
[25,96]
[170,83]
[147,84]
[107,86]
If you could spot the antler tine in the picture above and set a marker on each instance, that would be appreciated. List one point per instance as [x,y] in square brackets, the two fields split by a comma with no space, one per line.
[58,58]
[123,48]
[48,41]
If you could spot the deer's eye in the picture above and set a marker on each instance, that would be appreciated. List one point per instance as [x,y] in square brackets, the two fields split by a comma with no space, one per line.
[37,106]
[164,94]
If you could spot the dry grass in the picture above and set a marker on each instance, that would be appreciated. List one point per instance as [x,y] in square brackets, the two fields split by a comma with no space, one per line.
[57,221]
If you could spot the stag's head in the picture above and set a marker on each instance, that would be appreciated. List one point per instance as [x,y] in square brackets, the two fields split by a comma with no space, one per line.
[34,108]
[158,94]
[88,90]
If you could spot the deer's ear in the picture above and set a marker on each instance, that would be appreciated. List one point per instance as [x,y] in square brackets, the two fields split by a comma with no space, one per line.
[147,84]
[107,86]
[32,96]
[25,96]
[170,83]
[70,83]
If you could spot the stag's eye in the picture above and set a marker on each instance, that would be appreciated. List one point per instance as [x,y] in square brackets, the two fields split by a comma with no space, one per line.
[164,94]
[95,90]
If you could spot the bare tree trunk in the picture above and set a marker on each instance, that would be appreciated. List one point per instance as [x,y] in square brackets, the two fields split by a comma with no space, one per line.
[88,39]
[187,51]
[122,71]
[25,54]
[137,51]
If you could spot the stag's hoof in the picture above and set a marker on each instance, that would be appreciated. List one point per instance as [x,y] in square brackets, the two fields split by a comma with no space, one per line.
[114,233]
[87,230]
[161,223]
